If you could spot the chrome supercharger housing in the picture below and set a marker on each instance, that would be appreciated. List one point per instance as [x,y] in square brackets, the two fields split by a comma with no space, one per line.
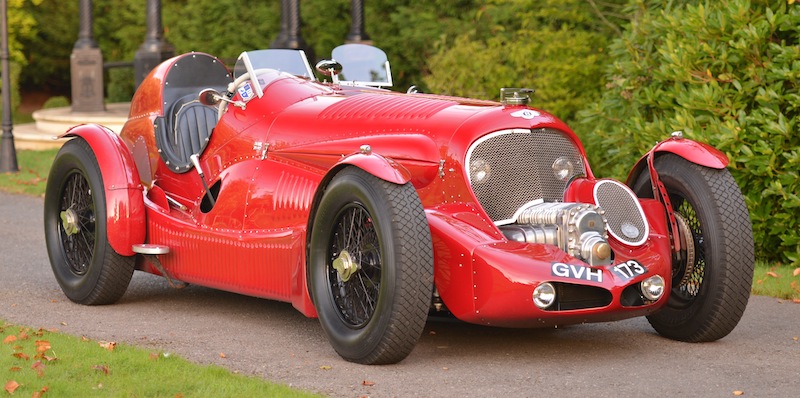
[577,228]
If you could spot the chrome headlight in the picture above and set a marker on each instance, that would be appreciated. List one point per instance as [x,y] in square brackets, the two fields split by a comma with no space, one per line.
[479,171]
[544,295]
[653,287]
[563,168]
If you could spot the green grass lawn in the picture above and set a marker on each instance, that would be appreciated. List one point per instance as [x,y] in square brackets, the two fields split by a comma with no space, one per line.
[43,363]
[32,176]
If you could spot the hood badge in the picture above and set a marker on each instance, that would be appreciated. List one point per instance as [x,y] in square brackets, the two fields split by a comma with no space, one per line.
[526,114]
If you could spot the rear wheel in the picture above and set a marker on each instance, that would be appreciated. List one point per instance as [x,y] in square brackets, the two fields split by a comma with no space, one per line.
[713,275]
[88,270]
[371,267]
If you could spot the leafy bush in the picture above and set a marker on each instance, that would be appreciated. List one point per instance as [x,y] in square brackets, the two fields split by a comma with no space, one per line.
[726,73]
[56,102]
[556,47]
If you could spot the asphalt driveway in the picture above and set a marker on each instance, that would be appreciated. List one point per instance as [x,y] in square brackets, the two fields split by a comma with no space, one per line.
[269,339]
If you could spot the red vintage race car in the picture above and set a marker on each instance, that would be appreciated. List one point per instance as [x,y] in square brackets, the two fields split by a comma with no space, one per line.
[371,209]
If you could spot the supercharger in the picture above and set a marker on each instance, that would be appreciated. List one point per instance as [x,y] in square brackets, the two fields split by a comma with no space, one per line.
[580,229]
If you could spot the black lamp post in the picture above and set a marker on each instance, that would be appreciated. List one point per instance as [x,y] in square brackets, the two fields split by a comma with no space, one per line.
[8,154]
[289,36]
[155,49]
[357,33]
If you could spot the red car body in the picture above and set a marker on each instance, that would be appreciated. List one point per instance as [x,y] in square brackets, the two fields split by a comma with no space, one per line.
[268,165]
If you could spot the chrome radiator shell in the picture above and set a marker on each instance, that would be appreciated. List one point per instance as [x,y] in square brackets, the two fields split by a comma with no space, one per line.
[509,169]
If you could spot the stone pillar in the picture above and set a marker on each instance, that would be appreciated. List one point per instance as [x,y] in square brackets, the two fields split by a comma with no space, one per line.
[86,66]
[357,33]
[155,49]
[8,153]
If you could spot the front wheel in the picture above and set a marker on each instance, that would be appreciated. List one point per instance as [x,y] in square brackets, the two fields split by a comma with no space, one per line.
[713,275]
[88,270]
[371,267]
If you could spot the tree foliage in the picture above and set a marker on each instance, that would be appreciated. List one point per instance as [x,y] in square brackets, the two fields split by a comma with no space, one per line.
[21,26]
[726,73]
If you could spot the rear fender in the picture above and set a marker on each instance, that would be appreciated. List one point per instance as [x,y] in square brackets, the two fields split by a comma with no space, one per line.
[125,210]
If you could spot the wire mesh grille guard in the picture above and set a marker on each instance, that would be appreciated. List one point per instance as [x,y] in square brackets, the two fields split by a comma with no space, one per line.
[510,168]
[626,219]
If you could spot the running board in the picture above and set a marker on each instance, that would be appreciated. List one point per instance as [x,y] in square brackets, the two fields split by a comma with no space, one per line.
[151,253]
[147,248]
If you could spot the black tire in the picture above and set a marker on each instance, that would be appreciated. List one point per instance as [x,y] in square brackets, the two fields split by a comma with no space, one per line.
[376,314]
[88,270]
[709,294]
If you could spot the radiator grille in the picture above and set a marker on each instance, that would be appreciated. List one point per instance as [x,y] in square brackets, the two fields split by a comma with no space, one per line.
[510,168]
[626,219]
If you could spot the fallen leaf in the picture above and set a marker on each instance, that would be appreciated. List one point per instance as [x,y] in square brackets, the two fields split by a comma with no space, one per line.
[101,368]
[11,386]
[49,358]
[222,355]
[17,368]
[326,367]
[83,338]
[10,339]
[42,345]
[738,393]
[23,335]
[796,271]
[796,301]
[38,367]
[795,338]
[108,345]
[21,355]
[38,394]
[367,383]
[773,274]
[154,356]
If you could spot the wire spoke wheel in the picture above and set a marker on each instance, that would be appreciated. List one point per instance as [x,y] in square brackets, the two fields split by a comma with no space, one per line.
[77,223]
[370,267]
[713,274]
[88,270]
[355,244]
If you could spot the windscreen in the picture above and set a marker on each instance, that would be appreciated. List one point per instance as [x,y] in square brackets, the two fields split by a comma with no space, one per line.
[363,65]
[283,60]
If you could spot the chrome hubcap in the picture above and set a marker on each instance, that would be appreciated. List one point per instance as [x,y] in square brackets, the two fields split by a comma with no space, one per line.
[69,220]
[345,265]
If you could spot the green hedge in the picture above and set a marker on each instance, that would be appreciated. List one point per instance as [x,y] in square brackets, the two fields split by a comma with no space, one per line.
[727,73]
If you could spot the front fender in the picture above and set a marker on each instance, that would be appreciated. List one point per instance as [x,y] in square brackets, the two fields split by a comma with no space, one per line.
[693,151]
[377,165]
[125,218]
